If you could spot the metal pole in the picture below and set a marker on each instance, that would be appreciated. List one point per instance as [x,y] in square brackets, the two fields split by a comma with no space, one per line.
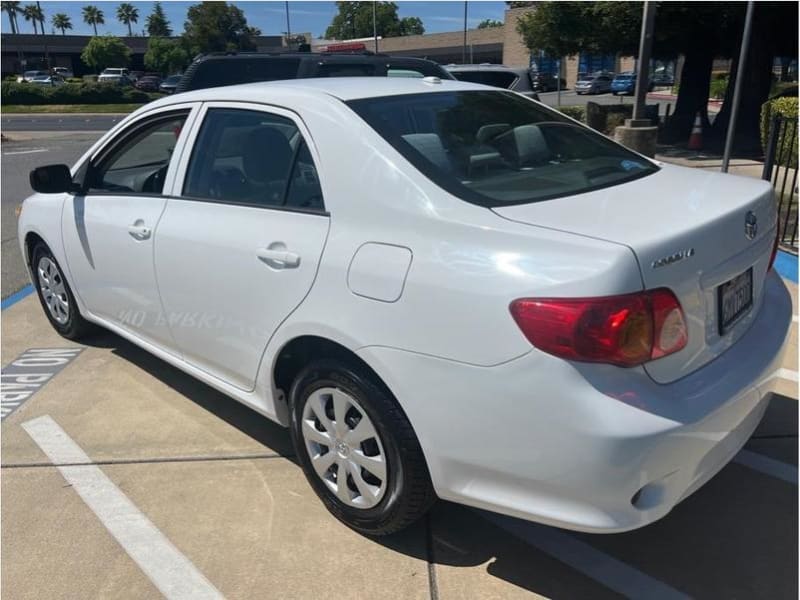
[288,26]
[464,47]
[558,83]
[737,86]
[645,50]
[375,23]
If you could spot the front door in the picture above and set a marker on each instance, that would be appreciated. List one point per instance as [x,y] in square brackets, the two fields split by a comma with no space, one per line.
[109,228]
[241,237]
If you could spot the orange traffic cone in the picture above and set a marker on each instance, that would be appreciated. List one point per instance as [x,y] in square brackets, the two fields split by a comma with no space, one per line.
[696,138]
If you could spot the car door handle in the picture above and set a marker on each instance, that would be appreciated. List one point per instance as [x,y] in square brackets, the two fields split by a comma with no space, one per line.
[139,232]
[279,258]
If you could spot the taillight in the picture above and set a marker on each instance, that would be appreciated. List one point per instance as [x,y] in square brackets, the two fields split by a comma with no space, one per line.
[774,254]
[625,330]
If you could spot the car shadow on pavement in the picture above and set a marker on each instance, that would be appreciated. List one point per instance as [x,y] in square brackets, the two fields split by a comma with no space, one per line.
[735,537]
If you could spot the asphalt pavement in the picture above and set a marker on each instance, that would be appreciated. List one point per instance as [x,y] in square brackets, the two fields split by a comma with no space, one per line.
[19,157]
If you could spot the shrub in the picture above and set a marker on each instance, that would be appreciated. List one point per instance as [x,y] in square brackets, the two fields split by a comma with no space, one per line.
[576,112]
[70,93]
[718,87]
[787,107]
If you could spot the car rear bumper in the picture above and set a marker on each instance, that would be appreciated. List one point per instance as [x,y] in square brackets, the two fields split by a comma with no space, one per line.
[587,447]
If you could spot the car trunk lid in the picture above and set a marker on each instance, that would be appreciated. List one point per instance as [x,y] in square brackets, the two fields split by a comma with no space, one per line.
[687,228]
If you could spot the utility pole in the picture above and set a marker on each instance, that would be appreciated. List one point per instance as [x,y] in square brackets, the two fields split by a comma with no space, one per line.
[288,26]
[375,23]
[464,48]
[737,86]
[645,51]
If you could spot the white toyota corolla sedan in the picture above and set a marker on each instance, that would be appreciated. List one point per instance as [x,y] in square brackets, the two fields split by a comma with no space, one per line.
[443,289]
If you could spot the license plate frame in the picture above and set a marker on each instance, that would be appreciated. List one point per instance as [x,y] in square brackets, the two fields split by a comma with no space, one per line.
[727,291]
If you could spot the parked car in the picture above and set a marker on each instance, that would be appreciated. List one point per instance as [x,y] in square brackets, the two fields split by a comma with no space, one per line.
[148,83]
[135,75]
[47,80]
[63,72]
[593,84]
[518,80]
[218,69]
[169,85]
[118,76]
[442,289]
[546,82]
[29,75]
[625,83]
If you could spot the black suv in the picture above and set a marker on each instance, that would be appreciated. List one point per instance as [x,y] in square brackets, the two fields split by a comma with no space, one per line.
[215,70]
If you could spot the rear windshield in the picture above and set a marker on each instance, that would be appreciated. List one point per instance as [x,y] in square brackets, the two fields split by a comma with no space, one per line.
[496,148]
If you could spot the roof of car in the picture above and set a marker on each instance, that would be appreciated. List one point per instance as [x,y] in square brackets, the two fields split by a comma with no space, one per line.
[343,88]
[483,67]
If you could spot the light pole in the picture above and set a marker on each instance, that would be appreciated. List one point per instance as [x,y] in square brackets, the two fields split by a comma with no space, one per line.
[375,23]
[288,27]
[645,50]
[737,86]
[464,48]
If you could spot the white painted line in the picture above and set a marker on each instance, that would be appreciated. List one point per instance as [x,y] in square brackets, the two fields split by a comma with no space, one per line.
[788,374]
[604,569]
[767,465]
[169,570]
[25,151]
[795,318]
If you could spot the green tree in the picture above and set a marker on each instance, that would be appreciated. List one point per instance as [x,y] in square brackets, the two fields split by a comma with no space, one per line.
[354,20]
[165,56]
[487,23]
[93,16]
[216,27]
[127,14]
[106,51]
[62,22]
[35,14]
[156,22]
[12,9]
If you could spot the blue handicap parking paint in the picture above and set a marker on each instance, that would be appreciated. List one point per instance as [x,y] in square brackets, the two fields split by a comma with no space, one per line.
[786,265]
[17,296]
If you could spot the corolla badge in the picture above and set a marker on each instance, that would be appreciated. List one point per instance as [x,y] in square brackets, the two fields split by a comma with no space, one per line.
[750,225]
[672,258]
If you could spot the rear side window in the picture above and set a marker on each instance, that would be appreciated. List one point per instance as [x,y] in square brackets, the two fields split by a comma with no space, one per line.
[215,73]
[346,70]
[253,158]
[495,148]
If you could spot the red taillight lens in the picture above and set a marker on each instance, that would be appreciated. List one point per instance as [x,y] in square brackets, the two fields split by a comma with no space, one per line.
[623,330]
[774,254]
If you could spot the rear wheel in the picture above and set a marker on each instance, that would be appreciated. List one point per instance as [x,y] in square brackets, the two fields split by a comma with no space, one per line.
[357,448]
[55,295]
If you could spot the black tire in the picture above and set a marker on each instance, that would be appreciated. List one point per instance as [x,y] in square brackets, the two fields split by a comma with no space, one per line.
[409,493]
[75,326]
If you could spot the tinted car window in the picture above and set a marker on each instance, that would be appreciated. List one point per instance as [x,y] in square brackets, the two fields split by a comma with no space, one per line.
[346,70]
[215,73]
[493,78]
[497,148]
[249,157]
[140,164]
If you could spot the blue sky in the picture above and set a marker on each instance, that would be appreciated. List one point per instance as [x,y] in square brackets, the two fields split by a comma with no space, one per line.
[270,16]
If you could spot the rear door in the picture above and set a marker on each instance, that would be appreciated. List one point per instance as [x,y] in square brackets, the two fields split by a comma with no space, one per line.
[241,237]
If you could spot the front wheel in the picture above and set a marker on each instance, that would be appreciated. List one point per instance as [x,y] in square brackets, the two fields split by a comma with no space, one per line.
[357,448]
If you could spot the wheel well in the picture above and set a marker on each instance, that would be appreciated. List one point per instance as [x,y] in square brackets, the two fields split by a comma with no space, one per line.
[31,239]
[295,355]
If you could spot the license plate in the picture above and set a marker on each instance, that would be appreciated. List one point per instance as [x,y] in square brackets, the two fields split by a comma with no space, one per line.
[735,298]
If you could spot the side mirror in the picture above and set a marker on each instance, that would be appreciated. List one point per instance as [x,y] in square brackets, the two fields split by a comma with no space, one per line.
[52,179]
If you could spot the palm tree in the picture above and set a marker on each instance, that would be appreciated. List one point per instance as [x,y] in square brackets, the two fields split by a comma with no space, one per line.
[12,9]
[33,13]
[93,16]
[127,14]
[62,22]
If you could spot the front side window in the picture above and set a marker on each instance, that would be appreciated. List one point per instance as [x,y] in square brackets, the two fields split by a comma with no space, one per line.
[495,148]
[139,164]
[254,158]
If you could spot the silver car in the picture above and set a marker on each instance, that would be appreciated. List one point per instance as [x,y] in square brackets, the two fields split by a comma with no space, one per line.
[594,84]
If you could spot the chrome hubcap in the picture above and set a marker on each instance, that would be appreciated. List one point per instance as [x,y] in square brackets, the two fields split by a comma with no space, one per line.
[54,292]
[344,447]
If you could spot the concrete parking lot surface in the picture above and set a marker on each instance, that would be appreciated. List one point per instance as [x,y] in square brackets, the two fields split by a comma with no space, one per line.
[219,485]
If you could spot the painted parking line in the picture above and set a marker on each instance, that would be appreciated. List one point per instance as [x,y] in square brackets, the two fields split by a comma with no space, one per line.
[787,374]
[604,569]
[170,571]
[28,373]
[16,297]
[768,466]
[32,151]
